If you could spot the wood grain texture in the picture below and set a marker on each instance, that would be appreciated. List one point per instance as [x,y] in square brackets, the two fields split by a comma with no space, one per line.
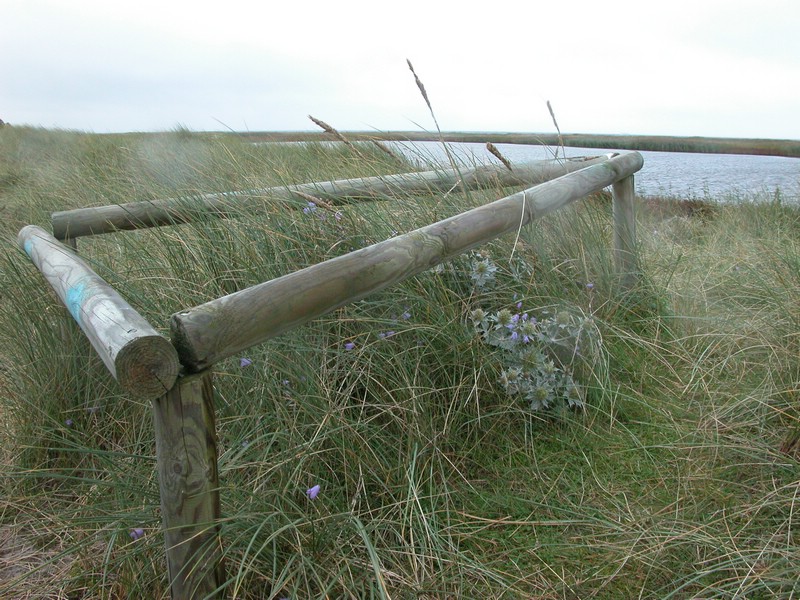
[220,328]
[154,213]
[143,361]
[624,216]
[186,449]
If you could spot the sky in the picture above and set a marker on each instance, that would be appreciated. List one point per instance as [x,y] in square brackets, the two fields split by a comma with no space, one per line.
[704,67]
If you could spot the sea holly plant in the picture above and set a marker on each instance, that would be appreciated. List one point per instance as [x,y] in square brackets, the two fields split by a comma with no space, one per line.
[541,355]
[483,272]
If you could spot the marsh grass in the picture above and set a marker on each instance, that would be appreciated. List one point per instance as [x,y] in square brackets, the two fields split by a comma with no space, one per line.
[433,483]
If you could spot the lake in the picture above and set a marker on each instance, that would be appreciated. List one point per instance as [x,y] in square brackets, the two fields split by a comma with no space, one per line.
[675,174]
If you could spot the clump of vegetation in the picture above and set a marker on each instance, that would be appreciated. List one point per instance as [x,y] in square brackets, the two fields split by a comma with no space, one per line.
[538,353]
[377,452]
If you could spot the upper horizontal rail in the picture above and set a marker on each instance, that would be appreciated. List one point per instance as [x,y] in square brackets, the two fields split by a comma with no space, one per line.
[143,361]
[658,143]
[79,222]
[222,327]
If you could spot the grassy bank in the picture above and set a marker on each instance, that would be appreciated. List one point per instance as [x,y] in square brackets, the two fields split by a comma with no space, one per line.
[678,480]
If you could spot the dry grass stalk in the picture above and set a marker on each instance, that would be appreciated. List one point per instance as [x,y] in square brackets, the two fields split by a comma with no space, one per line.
[332,131]
[339,137]
[424,93]
[493,150]
[386,149]
[421,87]
[558,129]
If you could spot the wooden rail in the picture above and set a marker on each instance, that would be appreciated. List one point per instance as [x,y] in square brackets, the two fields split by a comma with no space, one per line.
[220,328]
[71,224]
[655,143]
[143,361]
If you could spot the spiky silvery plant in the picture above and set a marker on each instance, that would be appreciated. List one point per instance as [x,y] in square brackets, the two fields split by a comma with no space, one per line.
[538,354]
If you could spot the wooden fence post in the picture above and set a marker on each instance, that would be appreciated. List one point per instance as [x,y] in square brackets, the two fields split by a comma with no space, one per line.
[186,448]
[625,257]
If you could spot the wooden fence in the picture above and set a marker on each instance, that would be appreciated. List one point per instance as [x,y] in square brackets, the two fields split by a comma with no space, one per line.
[147,364]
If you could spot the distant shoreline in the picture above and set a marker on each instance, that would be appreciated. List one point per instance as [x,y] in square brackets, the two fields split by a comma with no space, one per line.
[656,143]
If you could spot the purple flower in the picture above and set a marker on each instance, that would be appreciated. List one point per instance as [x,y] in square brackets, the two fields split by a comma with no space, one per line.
[69,422]
[245,362]
[349,346]
[519,305]
[383,335]
[405,316]
[311,207]
[590,286]
[312,492]
[136,533]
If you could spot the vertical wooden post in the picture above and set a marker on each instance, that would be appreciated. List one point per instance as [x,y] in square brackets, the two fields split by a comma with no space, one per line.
[625,257]
[186,447]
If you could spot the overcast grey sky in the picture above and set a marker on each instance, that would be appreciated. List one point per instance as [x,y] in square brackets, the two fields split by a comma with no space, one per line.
[700,67]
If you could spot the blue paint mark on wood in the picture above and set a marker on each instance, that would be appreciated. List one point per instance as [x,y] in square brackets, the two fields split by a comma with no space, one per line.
[74,300]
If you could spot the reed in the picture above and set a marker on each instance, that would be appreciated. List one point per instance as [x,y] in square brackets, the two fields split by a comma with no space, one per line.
[497,154]
[424,93]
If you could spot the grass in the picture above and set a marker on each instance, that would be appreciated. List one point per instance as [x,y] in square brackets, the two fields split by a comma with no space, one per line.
[679,480]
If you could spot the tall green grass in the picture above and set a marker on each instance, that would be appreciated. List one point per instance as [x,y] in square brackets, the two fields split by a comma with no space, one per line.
[433,483]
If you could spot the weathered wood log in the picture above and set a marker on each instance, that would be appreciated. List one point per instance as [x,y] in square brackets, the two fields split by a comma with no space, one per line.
[135,215]
[625,256]
[143,362]
[186,454]
[656,143]
[220,328]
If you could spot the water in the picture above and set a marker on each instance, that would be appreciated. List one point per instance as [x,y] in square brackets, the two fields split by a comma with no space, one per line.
[674,174]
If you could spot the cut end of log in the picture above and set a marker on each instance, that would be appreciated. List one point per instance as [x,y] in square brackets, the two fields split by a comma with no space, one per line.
[147,367]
